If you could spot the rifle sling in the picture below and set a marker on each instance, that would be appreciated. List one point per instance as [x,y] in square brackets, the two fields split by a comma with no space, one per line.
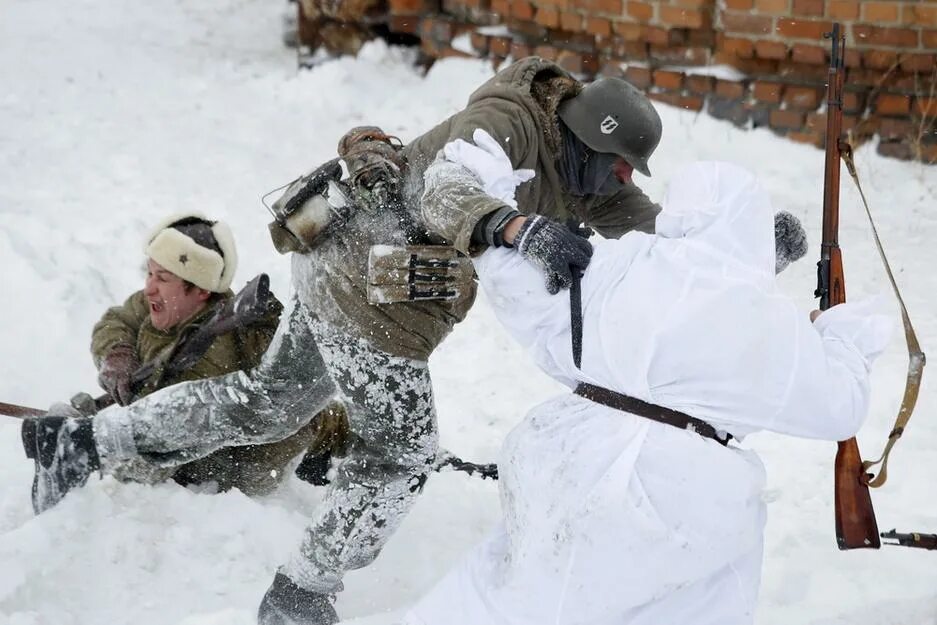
[641,408]
[916,359]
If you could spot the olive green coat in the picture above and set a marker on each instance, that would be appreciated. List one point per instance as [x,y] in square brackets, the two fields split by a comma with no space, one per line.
[517,107]
[254,469]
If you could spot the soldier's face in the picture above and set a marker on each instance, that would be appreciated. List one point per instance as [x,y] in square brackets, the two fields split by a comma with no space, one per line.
[169,299]
[622,170]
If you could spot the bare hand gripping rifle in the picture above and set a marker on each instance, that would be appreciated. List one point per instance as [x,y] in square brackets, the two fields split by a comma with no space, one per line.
[246,308]
[856,527]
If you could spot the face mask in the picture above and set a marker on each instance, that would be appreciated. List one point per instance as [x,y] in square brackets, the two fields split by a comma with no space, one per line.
[584,171]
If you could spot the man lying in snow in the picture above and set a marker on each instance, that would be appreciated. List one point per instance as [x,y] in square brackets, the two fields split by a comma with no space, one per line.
[610,517]
[191,262]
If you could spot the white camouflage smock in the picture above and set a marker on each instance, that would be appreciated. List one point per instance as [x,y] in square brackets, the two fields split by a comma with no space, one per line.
[610,518]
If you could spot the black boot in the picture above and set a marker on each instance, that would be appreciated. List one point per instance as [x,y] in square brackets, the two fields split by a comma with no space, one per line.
[314,468]
[287,604]
[65,455]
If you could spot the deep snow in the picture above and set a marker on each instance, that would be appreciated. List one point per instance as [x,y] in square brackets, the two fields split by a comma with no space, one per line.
[114,113]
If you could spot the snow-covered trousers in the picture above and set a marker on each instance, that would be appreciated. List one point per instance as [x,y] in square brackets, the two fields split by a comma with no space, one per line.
[180,423]
[392,417]
[390,410]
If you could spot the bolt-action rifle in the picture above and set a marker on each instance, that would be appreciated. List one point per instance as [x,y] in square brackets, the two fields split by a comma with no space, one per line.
[912,539]
[246,308]
[855,518]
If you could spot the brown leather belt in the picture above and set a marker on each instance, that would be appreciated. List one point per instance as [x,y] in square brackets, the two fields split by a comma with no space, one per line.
[653,412]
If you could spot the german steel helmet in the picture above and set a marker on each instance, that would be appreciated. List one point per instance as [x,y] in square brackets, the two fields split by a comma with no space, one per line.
[613,116]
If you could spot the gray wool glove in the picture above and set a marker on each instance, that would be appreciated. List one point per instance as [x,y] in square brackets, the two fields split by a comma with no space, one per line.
[115,373]
[790,240]
[558,251]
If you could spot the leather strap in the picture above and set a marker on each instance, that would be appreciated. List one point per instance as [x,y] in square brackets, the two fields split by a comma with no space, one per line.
[641,408]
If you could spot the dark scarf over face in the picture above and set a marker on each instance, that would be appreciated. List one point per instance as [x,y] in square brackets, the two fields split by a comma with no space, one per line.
[585,171]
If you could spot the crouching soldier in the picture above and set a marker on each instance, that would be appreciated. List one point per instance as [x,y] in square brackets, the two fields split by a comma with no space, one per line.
[190,265]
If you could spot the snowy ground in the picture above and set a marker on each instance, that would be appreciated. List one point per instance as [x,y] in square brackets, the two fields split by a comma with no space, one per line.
[114,113]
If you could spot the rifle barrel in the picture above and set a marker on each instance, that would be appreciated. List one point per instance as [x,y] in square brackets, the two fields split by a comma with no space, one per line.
[19,412]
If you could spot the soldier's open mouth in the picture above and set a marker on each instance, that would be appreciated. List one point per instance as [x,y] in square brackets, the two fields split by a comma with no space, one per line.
[155,308]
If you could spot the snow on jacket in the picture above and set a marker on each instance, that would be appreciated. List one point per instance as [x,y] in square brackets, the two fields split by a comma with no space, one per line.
[612,518]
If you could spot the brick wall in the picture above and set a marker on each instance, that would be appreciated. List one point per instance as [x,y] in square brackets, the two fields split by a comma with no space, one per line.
[776,47]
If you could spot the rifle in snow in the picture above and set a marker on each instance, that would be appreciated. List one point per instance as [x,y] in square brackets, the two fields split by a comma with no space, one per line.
[912,539]
[246,308]
[856,527]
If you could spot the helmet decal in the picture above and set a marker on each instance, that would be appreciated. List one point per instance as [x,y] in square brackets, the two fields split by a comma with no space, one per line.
[608,125]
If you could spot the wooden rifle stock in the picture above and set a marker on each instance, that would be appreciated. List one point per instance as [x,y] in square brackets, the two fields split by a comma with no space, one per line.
[856,527]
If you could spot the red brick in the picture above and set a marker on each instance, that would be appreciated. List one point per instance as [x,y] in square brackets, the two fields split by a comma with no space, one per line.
[892,104]
[879,12]
[742,48]
[925,107]
[843,9]
[683,18]
[878,36]
[611,7]
[730,89]
[918,63]
[694,4]
[598,26]
[479,43]
[672,81]
[656,35]
[802,98]
[852,58]
[501,7]
[919,15]
[929,39]
[629,31]
[771,49]
[739,5]
[577,62]
[810,138]
[640,77]
[742,23]
[802,74]
[880,59]
[787,120]
[854,101]
[548,16]
[680,55]
[699,84]
[809,54]
[816,122]
[570,21]
[522,10]
[767,91]
[409,7]
[896,127]
[803,29]
[548,52]
[691,103]
[500,46]
[777,7]
[809,8]
[520,49]
[641,11]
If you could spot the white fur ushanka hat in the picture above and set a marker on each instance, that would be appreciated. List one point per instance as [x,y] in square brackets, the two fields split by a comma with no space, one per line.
[201,265]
